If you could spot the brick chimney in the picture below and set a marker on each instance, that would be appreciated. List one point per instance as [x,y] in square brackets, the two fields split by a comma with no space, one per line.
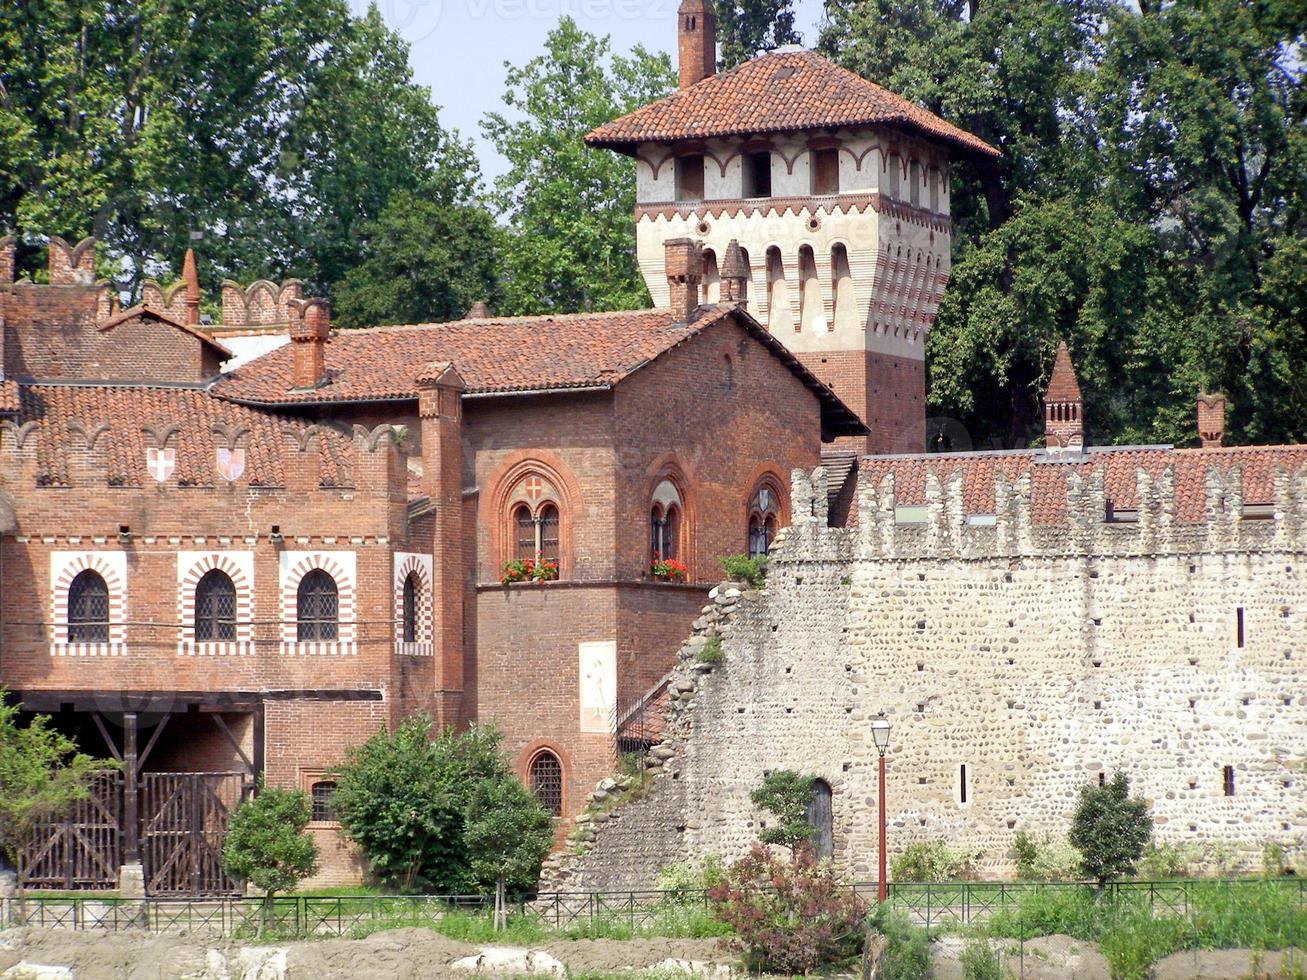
[1064,423]
[192,280]
[696,41]
[683,259]
[310,323]
[734,275]
[7,246]
[1211,420]
[477,311]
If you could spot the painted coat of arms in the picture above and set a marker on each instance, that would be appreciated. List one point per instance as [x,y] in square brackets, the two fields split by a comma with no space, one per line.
[160,462]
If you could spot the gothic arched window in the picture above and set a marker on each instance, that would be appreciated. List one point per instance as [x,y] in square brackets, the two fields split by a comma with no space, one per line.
[317,605]
[764,520]
[215,607]
[665,521]
[535,524]
[545,777]
[412,589]
[88,608]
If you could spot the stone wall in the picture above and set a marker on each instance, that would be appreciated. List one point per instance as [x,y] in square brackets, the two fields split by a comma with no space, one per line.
[1036,655]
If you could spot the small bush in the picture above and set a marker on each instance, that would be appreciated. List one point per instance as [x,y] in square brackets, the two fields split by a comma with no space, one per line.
[742,568]
[1044,859]
[934,861]
[266,843]
[979,962]
[785,795]
[907,951]
[682,879]
[711,653]
[1110,829]
[789,916]
[1161,860]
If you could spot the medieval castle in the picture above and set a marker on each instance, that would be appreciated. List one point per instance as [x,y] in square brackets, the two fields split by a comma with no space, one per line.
[230,550]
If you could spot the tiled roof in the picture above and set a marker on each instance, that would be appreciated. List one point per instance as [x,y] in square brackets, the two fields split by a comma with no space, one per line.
[1118,466]
[779,92]
[126,411]
[504,356]
[8,396]
[1062,384]
[131,313]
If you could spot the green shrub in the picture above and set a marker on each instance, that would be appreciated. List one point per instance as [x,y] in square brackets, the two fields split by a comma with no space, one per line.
[979,961]
[266,843]
[742,568]
[927,861]
[907,951]
[1110,829]
[1044,859]
[711,652]
[682,880]
[1161,860]
[785,795]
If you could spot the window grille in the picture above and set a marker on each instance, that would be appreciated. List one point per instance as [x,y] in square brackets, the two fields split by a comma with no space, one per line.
[526,532]
[321,793]
[549,532]
[317,607]
[215,607]
[88,609]
[546,781]
[410,624]
[1227,780]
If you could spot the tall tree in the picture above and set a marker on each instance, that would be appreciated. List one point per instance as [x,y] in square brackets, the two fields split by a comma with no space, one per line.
[745,27]
[571,243]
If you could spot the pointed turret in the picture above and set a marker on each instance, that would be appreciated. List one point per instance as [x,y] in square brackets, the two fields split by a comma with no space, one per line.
[1064,426]
[734,275]
[192,280]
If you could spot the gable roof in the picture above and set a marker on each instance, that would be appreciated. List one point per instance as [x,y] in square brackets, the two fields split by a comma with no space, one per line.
[150,313]
[507,356]
[778,92]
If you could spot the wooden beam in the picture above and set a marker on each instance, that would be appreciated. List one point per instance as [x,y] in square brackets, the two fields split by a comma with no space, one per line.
[222,725]
[149,746]
[104,733]
[131,788]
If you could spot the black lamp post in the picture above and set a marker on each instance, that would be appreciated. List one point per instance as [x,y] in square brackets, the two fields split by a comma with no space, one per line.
[880,733]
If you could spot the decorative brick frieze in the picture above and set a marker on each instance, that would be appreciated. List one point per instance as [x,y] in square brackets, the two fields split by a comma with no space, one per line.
[110,566]
[239,567]
[340,565]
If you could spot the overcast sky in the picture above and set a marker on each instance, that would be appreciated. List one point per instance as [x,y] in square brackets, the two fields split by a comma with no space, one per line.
[458,47]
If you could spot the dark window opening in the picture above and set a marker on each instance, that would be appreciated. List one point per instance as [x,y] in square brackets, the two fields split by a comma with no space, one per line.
[820,819]
[317,607]
[320,795]
[1227,780]
[757,174]
[410,625]
[825,171]
[663,526]
[1102,779]
[962,783]
[545,779]
[88,608]
[526,532]
[215,607]
[549,532]
[1238,626]
[689,178]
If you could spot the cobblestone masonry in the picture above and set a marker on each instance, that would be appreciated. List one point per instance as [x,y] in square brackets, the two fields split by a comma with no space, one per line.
[1036,656]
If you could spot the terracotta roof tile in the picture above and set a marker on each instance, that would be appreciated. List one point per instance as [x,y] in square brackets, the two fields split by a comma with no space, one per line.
[778,92]
[8,396]
[126,411]
[131,313]
[503,356]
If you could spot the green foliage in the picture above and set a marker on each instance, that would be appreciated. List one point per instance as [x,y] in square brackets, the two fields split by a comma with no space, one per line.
[1162,860]
[745,27]
[403,797]
[507,834]
[279,127]
[41,775]
[266,842]
[785,795]
[421,261]
[1044,859]
[934,861]
[1110,829]
[742,568]
[907,950]
[979,961]
[711,652]
[682,880]
[570,244]
[789,916]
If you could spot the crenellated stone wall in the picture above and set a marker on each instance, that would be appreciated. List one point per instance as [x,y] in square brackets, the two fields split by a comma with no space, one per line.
[1039,647]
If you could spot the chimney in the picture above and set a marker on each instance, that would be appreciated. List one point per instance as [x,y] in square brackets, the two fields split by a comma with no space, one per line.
[734,275]
[192,280]
[477,311]
[310,323]
[7,245]
[1064,424]
[1211,420]
[696,41]
[683,259]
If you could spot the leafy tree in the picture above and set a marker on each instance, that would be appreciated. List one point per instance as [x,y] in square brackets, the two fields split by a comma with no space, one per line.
[41,775]
[570,244]
[507,834]
[785,795]
[266,843]
[1110,829]
[745,27]
[422,261]
[403,796]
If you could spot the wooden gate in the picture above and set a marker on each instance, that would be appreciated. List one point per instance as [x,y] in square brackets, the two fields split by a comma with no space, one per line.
[183,821]
[82,849]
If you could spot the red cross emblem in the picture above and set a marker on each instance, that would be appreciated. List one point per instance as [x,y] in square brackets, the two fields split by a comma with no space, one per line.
[534,487]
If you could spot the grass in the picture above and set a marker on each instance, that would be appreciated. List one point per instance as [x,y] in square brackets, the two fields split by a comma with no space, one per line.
[711,653]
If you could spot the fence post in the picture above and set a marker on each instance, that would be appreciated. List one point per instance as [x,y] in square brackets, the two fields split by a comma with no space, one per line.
[927,911]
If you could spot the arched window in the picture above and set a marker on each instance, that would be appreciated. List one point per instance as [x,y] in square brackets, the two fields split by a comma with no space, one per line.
[88,608]
[320,794]
[712,280]
[412,588]
[545,777]
[820,819]
[665,521]
[764,520]
[535,519]
[547,522]
[316,607]
[215,607]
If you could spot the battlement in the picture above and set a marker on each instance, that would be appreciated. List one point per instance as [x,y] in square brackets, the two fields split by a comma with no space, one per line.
[261,304]
[1150,501]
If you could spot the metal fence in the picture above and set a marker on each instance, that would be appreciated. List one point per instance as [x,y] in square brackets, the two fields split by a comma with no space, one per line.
[935,907]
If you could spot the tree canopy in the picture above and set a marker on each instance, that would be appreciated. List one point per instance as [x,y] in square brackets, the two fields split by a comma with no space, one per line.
[745,27]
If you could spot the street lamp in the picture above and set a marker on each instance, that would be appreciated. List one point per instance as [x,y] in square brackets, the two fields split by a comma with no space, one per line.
[880,733]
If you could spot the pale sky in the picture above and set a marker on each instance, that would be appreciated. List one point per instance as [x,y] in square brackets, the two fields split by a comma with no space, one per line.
[458,47]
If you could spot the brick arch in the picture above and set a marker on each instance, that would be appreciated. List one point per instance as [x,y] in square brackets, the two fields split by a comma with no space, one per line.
[669,466]
[340,565]
[239,567]
[769,476]
[529,754]
[110,566]
[405,565]
[504,479]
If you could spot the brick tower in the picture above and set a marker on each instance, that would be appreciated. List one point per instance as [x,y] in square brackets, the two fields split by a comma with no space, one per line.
[1064,414]
[837,192]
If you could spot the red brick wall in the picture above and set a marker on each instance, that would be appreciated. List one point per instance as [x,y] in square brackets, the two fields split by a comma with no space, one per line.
[887,392]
